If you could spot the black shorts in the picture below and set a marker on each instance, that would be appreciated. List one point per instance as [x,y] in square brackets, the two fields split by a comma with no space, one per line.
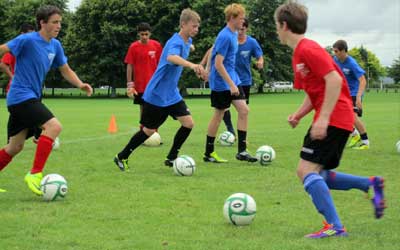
[30,114]
[223,99]
[355,108]
[153,116]
[328,151]
[137,99]
[246,91]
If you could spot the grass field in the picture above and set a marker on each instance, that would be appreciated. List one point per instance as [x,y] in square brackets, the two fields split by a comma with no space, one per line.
[150,208]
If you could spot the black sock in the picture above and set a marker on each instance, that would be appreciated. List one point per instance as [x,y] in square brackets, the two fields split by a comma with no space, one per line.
[364,136]
[180,137]
[242,141]
[136,140]
[209,145]
[228,122]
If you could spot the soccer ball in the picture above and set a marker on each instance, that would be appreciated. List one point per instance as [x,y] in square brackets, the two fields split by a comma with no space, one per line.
[265,155]
[153,141]
[184,166]
[398,146]
[53,186]
[239,209]
[56,143]
[226,138]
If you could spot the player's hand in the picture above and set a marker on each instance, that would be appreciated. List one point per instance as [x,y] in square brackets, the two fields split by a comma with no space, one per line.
[358,103]
[235,90]
[87,88]
[259,65]
[319,129]
[293,120]
[130,92]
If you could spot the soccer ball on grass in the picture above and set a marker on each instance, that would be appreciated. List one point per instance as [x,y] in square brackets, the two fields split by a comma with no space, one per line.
[53,186]
[239,209]
[184,166]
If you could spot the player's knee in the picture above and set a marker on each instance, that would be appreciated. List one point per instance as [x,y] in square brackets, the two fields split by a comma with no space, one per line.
[14,149]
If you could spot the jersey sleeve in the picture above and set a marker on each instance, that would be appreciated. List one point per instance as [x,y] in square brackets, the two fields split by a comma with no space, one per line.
[8,59]
[222,45]
[356,69]
[129,58]
[16,45]
[256,49]
[174,49]
[318,61]
[60,59]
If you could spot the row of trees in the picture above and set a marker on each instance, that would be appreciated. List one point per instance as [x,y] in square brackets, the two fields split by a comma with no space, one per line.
[97,35]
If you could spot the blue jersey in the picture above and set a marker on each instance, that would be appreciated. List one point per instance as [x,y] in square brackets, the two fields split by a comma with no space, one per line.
[34,58]
[352,71]
[162,90]
[250,48]
[226,45]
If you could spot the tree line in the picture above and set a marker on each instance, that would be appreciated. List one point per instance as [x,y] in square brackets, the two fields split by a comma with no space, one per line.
[97,35]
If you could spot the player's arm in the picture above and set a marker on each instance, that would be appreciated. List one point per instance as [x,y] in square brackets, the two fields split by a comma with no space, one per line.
[219,66]
[361,88]
[4,49]
[130,84]
[6,69]
[72,78]
[333,86]
[260,62]
[302,111]
[197,68]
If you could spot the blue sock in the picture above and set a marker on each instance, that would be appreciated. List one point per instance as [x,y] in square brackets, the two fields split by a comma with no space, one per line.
[341,181]
[317,188]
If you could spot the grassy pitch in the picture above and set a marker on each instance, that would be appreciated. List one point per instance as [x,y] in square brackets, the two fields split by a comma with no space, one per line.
[151,208]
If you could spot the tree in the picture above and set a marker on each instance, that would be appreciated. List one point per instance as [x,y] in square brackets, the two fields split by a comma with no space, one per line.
[394,70]
[369,62]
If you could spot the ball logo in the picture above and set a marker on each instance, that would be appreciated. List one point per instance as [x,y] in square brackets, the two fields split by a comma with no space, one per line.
[237,205]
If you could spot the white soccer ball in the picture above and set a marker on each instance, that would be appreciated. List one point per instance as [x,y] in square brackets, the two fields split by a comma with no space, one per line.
[265,155]
[56,143]
[226,139]
[239,209]
[53,186]
[398,146]
[153,141]
[184,166]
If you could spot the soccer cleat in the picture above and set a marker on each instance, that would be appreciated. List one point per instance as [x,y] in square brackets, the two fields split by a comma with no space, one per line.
[354,140]
[33,181]
[213,157]
[362,146]
[245,156]
[378,200]
[2,190]
[327,231]
[169,163]
[121,164]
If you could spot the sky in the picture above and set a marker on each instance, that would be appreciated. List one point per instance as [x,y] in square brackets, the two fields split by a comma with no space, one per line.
[373,24]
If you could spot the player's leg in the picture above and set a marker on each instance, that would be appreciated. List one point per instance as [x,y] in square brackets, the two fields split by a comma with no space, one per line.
[221,101]
[228,122]
[363,133]
[181,112]
[243,111]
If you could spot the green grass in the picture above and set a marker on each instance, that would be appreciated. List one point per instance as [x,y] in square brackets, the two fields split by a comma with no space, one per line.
[150,208]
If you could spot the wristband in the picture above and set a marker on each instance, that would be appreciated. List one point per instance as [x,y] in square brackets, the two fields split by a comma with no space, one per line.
[130,84]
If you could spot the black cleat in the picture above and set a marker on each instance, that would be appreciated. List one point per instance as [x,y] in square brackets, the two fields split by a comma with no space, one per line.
[245,156]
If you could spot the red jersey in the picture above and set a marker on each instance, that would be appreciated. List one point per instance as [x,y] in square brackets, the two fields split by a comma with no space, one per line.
[9,59]
[310,64]
[144,59]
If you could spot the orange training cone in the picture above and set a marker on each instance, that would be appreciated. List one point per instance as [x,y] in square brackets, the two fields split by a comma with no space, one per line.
[112,128]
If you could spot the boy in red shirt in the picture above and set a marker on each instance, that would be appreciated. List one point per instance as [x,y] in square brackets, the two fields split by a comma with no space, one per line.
[328,95]
[141,62]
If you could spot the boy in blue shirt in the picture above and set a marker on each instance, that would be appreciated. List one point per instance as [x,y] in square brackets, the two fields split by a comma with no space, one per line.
[161,97]
[36,53]
[248,49]
[224,84]
[356,80]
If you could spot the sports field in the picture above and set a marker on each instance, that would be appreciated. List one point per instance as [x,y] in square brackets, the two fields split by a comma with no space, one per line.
[150,208]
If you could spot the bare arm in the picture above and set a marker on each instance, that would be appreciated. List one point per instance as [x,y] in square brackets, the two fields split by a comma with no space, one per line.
[72,78]
[260,62]
[129,73]
[302,111]
[361,88]
[219,66]
[197,68]
[6,69]
[333,86]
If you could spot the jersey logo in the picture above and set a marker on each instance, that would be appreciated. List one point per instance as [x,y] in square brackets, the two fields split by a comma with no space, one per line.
[51,57]
[245,53]
[302,69]
[152,53]
[346,71]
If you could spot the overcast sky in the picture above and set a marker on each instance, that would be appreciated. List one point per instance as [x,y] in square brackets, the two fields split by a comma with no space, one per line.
[371,23]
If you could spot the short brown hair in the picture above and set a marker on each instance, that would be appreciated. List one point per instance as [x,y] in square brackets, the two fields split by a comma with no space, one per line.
[45,12]
[234,10]
[340,45]
[189,15]
[294,14]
